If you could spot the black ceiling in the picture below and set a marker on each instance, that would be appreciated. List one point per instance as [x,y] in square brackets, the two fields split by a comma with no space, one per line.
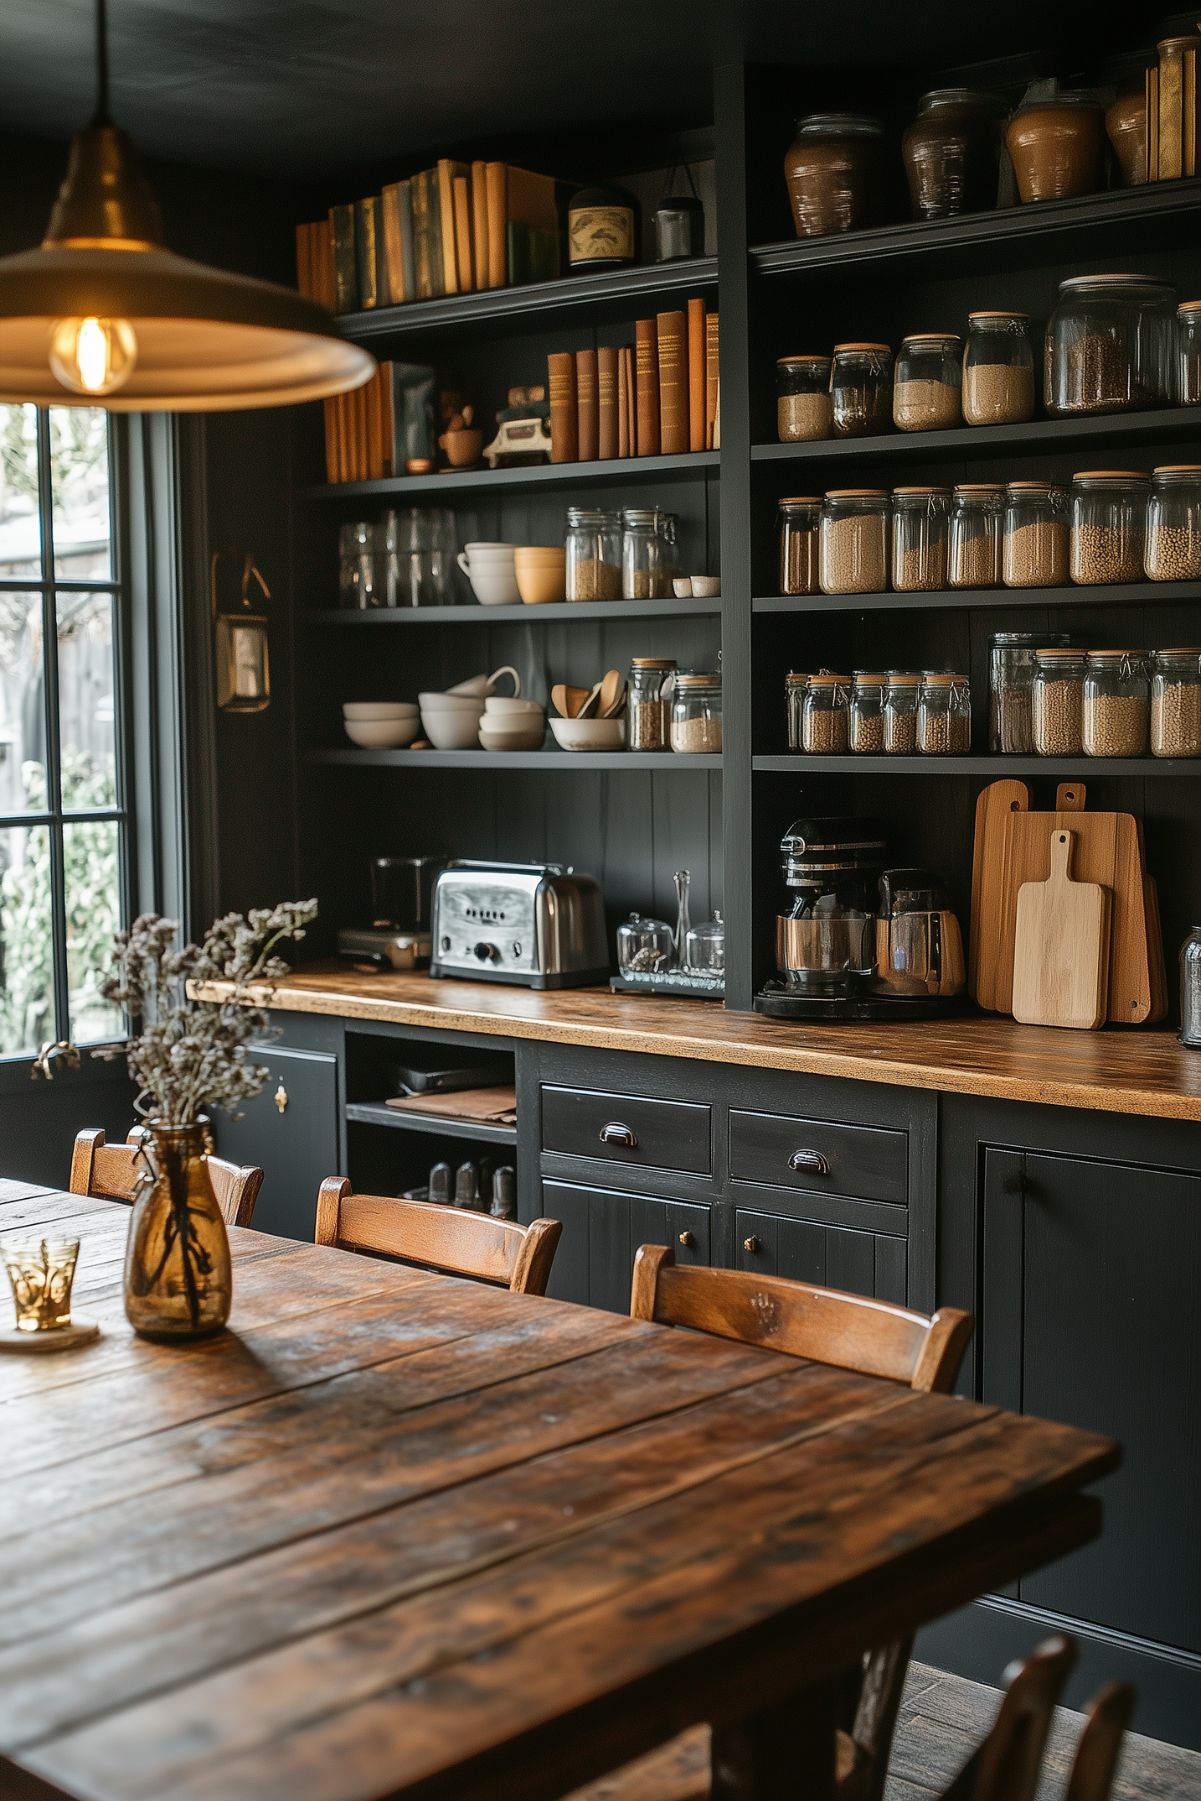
[305,87]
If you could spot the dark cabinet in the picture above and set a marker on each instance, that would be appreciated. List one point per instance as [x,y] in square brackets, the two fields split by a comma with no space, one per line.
[861,1262]
[627,1129]
[816,1154]
[291,1130]
[602,1230]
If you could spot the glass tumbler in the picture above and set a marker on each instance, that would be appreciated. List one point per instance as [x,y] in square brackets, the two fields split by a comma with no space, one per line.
[359,587]
[41,1272]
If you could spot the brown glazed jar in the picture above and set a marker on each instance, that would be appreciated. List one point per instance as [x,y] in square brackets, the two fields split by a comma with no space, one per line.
[834,170]
[1126,129]
[1057,146]
[952,153]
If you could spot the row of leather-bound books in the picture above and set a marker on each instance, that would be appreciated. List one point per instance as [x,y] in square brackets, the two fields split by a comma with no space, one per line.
[660,396]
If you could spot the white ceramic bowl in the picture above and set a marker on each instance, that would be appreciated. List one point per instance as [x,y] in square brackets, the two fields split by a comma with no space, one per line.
[451,703]
[381,734]
[589,734]
[380,709]
[504,706]
[502,741]
[706,587]
[682,587]
[451,731]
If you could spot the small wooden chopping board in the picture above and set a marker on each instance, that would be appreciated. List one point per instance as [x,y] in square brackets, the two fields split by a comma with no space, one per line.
[1061,948]
[990,882]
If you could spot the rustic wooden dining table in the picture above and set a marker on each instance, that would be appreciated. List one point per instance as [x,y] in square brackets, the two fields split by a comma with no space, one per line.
[395,1534]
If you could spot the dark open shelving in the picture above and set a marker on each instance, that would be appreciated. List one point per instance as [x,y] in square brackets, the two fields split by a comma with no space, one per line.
[482,1131]
[499,761]
[447,483]
[1112,594]
[990,768]
[591,610]
[982,440]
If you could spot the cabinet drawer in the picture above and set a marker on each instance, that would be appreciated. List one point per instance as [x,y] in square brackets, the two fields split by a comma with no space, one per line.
[627,1128]
[868,1162]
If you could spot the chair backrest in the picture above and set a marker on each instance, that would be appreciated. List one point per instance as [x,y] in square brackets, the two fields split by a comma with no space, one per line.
[1008,1764]
[1100,1744]
[112,1172]
[850,1331]
[452,1239]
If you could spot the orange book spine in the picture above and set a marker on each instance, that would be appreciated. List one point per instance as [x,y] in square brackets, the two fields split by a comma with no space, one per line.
[646,382]
[671,329]
[463,250]
[623,415]
[712,373]
[696,375]
[606,402]
[479,224]
[631,401]
[586,415]
[496,185]
[564,426]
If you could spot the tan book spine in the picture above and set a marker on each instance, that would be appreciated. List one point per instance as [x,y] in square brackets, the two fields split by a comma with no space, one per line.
[606,402]
[696,375]
[623,416]
[374,428]
[631,400]
[479,224]
[646,382]
[586,414]
[712,368]
[1171,111]
[446,220]
[564,428]
[1151,91]
[393,261]
[497,249]
[463,254]
[671,329]
[1190,148]
[324,253]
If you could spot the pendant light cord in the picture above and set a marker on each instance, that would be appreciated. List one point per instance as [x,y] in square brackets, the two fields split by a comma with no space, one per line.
[102,115]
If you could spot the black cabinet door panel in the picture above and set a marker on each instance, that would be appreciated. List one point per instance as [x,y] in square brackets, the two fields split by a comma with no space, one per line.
[870,1162]
[290,1130]
[627,1128]
[602,1231]
[830,1256]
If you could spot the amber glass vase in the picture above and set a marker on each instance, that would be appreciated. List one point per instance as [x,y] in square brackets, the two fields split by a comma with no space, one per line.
[178,1280]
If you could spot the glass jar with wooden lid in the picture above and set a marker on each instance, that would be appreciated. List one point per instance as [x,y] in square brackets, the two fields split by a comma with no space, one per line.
[974,535]
[919,538]
[804,410]
[900,712]
[944,715]
[1034,550]
[824,727]
[1012,663]
[1057,701]
[834,171]
[865,716]
[861,389]
[1110,345]
[1176,703]
[800,516]
[952,153]
[998,369]
[1108,525]
[696,713]
[593,554]
[795,684]
[927,385]
[648,708]
[853,555]
[1117,704]
[1173,547]
[1057,147]
[1188,353]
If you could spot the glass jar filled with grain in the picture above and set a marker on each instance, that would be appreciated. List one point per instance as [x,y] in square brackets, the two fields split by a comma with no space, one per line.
[1108,525]
[860,389]
[853,547]
[1117,704]
[1057,701]
[1034,547]
[865,719]
[1173,547]
[944,715]
[795,684]
[593,554]
[648,706]
[800,515]
[927,386]
[1109,346]
[998,369]
[1188,353]
[900,712]
[696,713]
[804,410]
[974,535]
[1011,671]
[648,559]
[824,724]
[1176,703]
[919,538]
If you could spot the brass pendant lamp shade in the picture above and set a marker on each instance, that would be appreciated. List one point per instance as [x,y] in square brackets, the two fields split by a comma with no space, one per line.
[102,315]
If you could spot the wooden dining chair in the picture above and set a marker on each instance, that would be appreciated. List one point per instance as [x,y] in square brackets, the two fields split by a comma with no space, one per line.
[853,1332]
[455,1240]
[1008,1763]
[112,1172]
[1100,1744]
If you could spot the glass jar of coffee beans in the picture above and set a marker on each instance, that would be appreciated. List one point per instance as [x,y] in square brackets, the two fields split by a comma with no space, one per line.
[919,538]
[944,715]
[1117,704]
[824,726]
[900,712]
[1108,511]
[865,720]
[1034,548]
[804,410]
[1109,345]
[927,385]
[1057,702]
[974,535]
[1173,548]
[799,517]
[861,389]
[998,369]
[853,551]
[1176,703]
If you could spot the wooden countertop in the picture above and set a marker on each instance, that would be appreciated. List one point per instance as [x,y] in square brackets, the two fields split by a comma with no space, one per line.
[1141,1072]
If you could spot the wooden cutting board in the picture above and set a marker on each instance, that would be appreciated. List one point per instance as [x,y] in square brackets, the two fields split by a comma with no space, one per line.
[990,882]
[1061,949]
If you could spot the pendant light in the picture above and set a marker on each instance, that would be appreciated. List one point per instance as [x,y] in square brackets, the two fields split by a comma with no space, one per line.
[102,315]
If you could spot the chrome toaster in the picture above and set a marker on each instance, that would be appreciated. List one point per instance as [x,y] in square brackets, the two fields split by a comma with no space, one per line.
[539,925]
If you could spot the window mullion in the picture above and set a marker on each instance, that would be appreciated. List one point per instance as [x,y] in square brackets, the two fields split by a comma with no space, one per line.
[54,798]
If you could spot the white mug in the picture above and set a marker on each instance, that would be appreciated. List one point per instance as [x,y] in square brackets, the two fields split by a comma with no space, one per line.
[494,583]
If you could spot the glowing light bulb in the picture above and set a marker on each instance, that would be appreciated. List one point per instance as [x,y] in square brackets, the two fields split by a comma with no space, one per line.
[93,356]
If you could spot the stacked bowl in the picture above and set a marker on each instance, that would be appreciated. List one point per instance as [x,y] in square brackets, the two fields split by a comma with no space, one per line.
[451,718]
[489,569]
[380,724]
[541,572]
[512,724]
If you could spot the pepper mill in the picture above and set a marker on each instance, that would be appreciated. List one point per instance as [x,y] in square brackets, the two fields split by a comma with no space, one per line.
[440,1184]
[466,1186]
[504,1200]
[683,881]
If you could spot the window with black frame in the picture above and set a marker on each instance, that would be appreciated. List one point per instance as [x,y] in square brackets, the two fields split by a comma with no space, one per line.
[63,799]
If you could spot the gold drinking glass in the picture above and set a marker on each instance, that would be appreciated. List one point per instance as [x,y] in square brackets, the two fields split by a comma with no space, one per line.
[41,1275]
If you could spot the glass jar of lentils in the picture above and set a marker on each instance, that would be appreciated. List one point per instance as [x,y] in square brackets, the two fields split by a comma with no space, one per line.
[865,721]
[853,551]
[900,712]
[998,369]
[825,719]
[1117,704]
[974,535]
[593,554]
[696,714]
[799,518]
[927,386]
[944,715]
[919,538]
[804,410]
[1011,667]
[1173,548]
[648,708]
[1034,549]
[1188,353]
[1176,703]
[795,684]
[861,389]
[1108,525]
[1057,702]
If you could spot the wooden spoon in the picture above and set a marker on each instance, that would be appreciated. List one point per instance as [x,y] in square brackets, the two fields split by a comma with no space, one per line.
[612,694]
[567,701]
[589,706]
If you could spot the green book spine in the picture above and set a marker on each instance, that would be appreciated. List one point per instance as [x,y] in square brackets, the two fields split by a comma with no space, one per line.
[346,276]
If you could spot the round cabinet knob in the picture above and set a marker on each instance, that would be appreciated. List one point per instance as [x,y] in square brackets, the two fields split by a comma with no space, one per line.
[280,1097]
[487,953]
[687,1238]
[751,1243]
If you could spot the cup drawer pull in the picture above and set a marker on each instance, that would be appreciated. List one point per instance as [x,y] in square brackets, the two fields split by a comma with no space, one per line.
[616,1133]
[815,1162]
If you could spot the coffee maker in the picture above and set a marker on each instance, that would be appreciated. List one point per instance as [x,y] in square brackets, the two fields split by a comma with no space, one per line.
[398,936]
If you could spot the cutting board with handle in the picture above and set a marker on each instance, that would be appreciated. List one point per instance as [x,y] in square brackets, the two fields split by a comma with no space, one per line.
[994,805]
[1061,945]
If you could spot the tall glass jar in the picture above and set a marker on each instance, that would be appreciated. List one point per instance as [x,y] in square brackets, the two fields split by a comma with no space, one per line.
[1188,353]
[825,718]
[1176,703]
[927,385]
[647,553]
[952,153]
[853,555]
[861,389]
[648,703]
[795,684]
[1108,525]
[900,712]
[998,369]
[1034,551]
[1109,346]
[1011,671]
[944,715]
[178,1276]
[799,521]
[593,554]
[834,170]
[1057,709]
[696,714]
[804,410]
[974,535]
[919,538]
[1173,548]
[1117,704]
[866,712]
[1190,990]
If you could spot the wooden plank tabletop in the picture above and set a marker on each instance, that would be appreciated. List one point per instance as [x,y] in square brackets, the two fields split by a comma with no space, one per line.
[397,1534]
[1141,1072]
